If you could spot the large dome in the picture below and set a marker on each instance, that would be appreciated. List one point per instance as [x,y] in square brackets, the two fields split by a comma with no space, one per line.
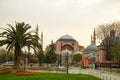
[91,48]
[66,38]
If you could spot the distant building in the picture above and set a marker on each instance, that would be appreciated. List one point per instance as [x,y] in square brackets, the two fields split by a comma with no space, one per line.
[100,56]
[66,46]
[69,43]
[104,54]
[89,54]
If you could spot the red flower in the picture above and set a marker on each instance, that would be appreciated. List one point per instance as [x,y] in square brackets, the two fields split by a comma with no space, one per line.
[5,71]
[25,73]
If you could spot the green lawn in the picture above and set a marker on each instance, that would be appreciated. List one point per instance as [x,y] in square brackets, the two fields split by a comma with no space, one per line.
[48,76]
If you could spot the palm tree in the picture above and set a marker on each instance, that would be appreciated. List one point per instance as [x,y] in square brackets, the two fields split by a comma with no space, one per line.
[19,37]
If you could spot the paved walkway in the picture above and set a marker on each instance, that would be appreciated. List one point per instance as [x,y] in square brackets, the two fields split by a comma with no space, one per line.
[106,75]
[97,73]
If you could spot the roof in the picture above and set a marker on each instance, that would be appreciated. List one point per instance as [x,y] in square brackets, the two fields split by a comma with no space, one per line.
[91,48]
[67,38]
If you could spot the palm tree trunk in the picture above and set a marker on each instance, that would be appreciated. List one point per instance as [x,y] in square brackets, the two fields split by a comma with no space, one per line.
[17,53]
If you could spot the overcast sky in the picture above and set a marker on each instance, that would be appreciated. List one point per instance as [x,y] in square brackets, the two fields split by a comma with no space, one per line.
[59,17]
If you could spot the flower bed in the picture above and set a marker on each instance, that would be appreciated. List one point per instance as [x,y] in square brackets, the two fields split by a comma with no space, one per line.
[24,73]
[4,71]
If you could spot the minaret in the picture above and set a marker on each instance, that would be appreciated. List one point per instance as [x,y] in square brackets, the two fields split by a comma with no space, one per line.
[91,40]
[94,37]
[37,36]
[41,38]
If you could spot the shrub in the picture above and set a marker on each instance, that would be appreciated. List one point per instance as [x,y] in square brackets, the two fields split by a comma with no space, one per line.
[77,57]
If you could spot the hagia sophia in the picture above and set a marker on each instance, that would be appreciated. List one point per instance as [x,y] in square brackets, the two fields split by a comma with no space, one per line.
[67,42]
[90,55]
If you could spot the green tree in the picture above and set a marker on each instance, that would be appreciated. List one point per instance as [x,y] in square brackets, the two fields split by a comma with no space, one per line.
[51,56]
[77,57]
[48,58]
[39,51]
[3,55]
[40,56]
[18,37]
[116,53]
[108,35]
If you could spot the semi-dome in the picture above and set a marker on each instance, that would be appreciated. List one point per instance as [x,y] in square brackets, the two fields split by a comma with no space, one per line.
[65,52]
[66,38]
[91,48]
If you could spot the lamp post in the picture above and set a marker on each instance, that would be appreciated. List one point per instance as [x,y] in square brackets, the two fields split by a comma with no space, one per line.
[66,53]
[67,63]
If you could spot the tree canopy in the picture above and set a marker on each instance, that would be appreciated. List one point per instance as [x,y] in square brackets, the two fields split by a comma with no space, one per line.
[77,57]
[51,56]
[109,37]
[18,37]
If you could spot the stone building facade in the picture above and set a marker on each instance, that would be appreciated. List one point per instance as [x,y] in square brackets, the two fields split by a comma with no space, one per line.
[67,42]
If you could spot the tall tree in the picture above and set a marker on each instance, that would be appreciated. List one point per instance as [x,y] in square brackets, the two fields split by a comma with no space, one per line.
[109,36]
[19,37]
[40,56]
[3,55]
[39,51]
[116,53]
[51,56]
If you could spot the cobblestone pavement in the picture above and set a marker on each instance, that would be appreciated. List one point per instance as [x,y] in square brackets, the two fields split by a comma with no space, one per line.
[97,73]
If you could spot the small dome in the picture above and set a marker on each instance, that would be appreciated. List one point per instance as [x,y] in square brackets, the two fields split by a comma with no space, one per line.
[91,48]
[91,56]
[66,38]
[65,52]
